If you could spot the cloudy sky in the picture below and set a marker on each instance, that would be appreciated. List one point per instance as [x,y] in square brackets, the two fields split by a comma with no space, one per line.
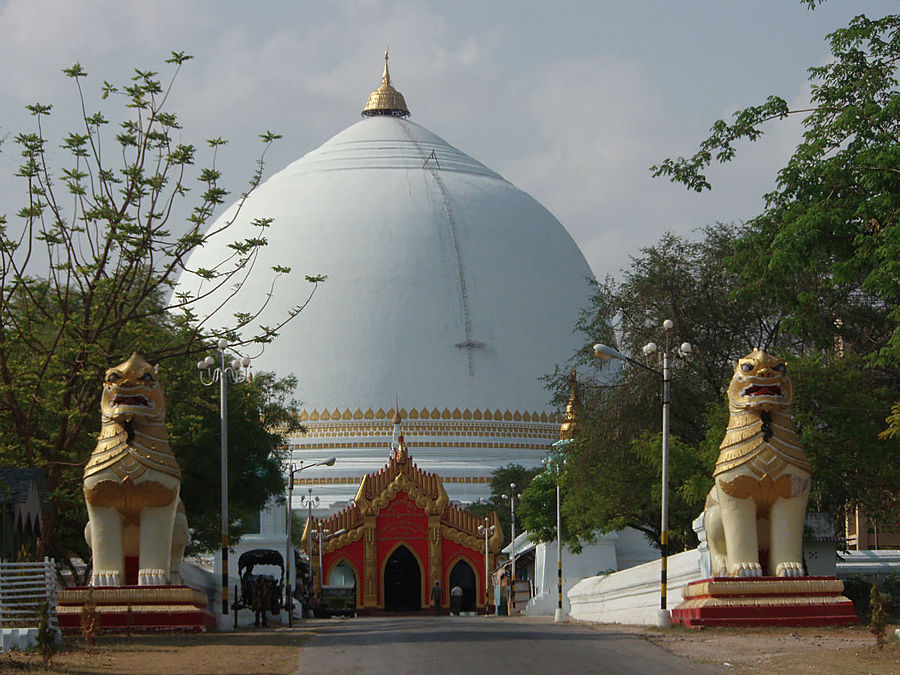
[570,100]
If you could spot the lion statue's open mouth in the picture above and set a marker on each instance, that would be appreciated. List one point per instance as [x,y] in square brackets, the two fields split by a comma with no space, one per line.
[763,390]
[137,400]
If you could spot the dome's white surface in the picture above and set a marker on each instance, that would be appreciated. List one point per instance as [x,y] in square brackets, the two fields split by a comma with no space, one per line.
[396,218]
[447,285]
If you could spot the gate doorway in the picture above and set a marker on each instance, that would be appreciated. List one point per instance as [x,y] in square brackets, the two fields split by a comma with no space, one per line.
[342,575]
[402,582]
[463,576]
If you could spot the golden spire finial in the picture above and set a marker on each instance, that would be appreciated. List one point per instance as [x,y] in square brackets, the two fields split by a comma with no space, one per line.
[385,100]
[397,419]
[401,454]
[569,427]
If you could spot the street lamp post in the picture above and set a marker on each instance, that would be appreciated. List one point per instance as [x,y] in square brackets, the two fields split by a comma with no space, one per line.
[237,371]
[310,500]
[487,530]
[324,534]
[320,533]
[554,463]
[604,352]
[512,497]
[290,503]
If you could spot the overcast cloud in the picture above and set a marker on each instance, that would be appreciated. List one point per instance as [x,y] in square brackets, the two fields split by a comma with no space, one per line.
[570,101]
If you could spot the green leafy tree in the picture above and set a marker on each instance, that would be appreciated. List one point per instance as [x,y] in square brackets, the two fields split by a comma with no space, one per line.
[827,246]
[838,410]
[88,266]
[500,485]
[614,467]
[538,511]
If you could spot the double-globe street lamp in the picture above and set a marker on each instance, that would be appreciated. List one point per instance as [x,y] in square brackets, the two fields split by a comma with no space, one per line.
[604,352]
[487,530]
[236,370]
[511,498]
[554,464]
[289,596]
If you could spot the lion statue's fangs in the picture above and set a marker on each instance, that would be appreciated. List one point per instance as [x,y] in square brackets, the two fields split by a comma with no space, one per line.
[762,477]
[132,483]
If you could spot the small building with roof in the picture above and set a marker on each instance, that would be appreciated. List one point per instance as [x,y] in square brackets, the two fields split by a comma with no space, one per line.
[24,499]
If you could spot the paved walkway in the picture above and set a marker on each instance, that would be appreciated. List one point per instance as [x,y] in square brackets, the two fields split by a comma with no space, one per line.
[426,645]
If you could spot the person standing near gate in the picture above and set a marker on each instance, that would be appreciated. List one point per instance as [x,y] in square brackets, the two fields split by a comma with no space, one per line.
[456,598]
[261,599]
[437,594]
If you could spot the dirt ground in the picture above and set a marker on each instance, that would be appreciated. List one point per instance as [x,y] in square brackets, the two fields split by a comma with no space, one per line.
[276,651]
[824,651]
[264,651]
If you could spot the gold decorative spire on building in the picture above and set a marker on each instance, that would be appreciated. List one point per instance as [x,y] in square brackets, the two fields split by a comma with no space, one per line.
[385,100]
[399,449]
[397,419]
[569,427]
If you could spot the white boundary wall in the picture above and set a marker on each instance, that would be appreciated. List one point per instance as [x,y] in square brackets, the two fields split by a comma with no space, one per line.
[612,551]
[868,563]
[632,596]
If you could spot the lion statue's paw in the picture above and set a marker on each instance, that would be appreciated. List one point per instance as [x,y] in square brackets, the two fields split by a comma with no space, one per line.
[152,578]
[789,569]
[745,570]
[105,578]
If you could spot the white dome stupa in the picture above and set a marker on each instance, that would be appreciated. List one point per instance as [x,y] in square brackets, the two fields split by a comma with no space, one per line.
[448,289]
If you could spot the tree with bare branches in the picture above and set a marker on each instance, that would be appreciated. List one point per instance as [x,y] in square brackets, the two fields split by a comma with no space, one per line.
[90,264]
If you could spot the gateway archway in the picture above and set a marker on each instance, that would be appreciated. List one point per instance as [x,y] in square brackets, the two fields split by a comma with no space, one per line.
[463,575]
[402,582]
[342,575]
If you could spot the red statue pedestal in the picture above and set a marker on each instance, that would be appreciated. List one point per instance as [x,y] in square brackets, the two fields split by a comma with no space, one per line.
[138,608]
[765,601]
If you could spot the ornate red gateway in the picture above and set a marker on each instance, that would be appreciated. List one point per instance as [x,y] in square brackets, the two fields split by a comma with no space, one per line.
[399,536]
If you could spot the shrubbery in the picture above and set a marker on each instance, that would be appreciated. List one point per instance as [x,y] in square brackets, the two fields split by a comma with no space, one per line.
[859,590]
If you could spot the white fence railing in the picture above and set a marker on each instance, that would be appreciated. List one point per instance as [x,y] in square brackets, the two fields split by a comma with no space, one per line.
[24,587]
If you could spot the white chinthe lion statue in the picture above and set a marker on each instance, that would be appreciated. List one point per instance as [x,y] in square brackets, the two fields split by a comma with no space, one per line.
[132,483]
[762,477]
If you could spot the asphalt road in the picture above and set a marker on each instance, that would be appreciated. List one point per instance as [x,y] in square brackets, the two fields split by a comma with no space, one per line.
[427,645]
